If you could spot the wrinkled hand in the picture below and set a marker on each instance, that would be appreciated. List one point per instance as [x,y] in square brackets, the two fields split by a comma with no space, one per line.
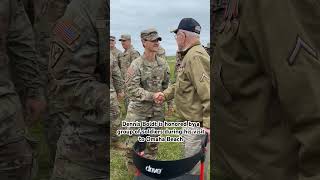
[120,95]
[34,108]
[158,97]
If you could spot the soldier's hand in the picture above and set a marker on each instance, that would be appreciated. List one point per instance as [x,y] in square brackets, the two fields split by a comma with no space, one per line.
[158,97]
[34,109]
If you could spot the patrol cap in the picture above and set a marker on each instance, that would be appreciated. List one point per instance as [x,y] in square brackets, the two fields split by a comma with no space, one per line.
[112,38]
[150,34]
[188,24]
[125,37]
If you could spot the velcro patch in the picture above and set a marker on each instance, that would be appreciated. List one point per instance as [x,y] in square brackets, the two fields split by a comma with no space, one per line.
[130,74]
[67,31]
[55,53]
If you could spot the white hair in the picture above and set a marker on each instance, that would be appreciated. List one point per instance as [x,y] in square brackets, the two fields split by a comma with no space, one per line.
[191,34]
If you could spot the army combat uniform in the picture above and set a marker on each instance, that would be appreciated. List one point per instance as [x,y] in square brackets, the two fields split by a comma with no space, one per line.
[17,52]
[144,78]
[125,60]
[267,91]
[47,12]
[162,53]
[78,67]
[116,87]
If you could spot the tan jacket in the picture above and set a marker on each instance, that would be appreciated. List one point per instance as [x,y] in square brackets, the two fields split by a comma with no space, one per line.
[191,92]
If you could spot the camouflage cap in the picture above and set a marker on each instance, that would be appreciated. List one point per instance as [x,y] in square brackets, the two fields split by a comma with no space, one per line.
[125,37]
[150,34]
[112,38]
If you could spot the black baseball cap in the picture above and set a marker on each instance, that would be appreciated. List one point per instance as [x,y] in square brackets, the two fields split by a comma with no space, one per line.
[188,24]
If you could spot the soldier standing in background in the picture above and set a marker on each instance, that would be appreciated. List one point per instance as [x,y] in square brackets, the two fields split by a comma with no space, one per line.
[17,53]
[50,12]
[114,50]
[116,92]
[79,69]
[126,58]
[146,75]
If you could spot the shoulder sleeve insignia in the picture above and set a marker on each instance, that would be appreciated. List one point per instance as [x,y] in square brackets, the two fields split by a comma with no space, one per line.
[67,31]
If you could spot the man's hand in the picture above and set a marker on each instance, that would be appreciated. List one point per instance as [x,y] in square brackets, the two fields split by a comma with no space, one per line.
[158,97]
[34,109]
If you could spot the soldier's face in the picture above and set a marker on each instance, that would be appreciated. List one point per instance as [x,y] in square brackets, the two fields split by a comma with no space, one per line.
[112,43]
[126,44]
[152,46]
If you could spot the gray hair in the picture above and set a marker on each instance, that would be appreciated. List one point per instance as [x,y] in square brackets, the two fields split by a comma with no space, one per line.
[191,34]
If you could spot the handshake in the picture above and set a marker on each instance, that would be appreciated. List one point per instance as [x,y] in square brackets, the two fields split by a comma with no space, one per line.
[158,97]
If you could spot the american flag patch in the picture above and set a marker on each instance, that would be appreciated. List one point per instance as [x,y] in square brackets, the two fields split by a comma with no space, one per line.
[66,31]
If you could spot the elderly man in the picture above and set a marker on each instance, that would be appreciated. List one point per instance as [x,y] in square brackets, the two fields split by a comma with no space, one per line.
[146,75]
[191,92]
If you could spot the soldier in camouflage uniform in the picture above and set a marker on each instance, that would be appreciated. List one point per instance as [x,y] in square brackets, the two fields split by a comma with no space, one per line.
[126,58]
[46,13]
[267,91]
[146,75]
[17,64]
[116,91]
[114,50]
[79,69]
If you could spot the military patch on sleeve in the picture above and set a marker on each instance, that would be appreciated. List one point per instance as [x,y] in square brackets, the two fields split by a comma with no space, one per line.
[204,76]
[56,51]
[130,74]
[67,31]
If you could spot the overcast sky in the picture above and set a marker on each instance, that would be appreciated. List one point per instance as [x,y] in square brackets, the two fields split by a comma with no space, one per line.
[133,16]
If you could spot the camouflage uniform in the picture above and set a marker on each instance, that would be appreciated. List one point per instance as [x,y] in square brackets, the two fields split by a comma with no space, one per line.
[17,64]
[44,13]
[116,87]
[78,67]
[191,93]
[144,78]
[115,51]
[162,53]
[125,60]
[267,92]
